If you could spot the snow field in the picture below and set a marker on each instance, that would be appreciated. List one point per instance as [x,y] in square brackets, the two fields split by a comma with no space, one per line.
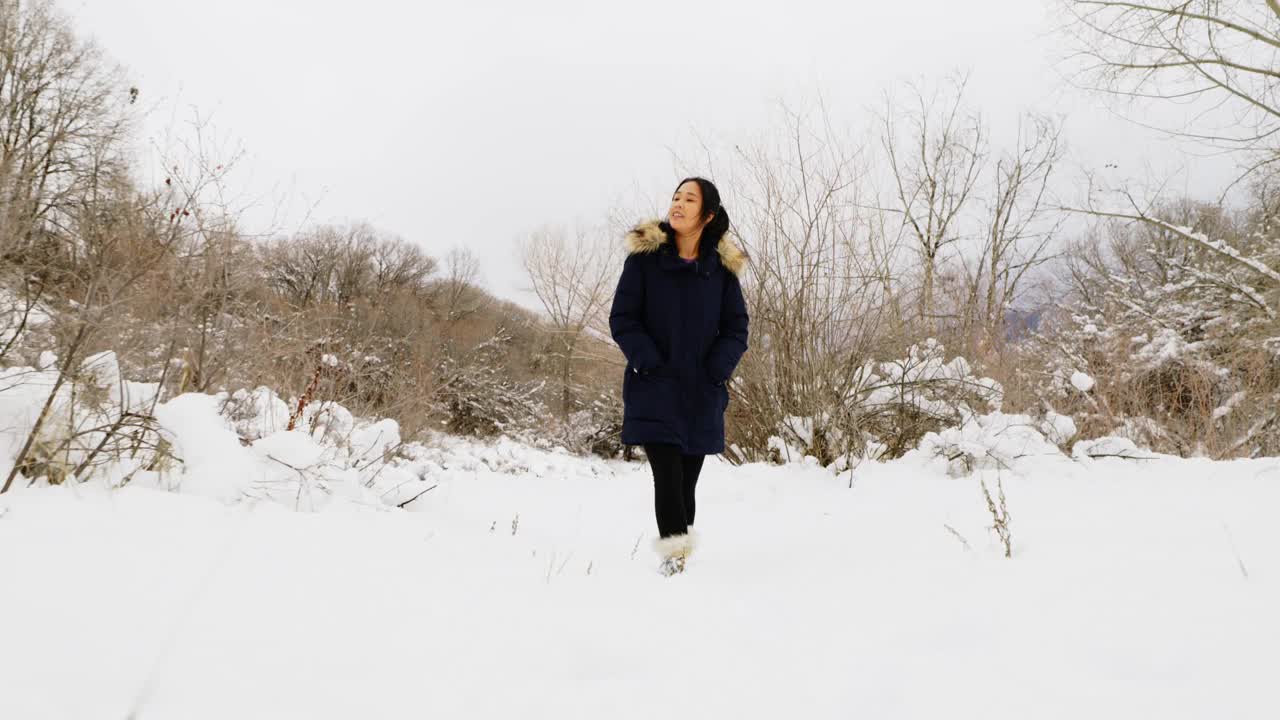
[1125,598]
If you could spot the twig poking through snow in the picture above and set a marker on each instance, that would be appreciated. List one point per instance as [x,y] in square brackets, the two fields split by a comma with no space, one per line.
[302,481]
[551,565]
[1239,562]
[999,514]
[415,497]
[958,536]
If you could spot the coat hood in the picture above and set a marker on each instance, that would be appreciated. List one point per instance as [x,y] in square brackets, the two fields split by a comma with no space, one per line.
[648,236]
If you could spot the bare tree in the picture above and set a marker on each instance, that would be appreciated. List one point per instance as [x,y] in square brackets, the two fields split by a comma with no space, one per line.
[125,237]
[936,161]
[341,264]
[1019,228]
[63,119]
[399,265]
[457,294]
[821,278]
[1174,307]
[301,269]
[1252,280]
[1206,54]
[573,278]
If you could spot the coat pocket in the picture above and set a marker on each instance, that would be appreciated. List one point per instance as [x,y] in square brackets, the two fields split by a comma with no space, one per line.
[651,395]
[719,390]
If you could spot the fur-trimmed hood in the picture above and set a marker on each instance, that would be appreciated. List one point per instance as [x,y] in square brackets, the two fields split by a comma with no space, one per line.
[648,236]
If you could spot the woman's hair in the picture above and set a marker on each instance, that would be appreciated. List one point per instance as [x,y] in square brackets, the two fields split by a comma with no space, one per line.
[719,224]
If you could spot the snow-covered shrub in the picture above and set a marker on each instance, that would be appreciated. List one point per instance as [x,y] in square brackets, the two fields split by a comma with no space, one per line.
[308,471]
[992,441]
[1058,429]
[798,437]
[1120,447]
[328,421]
[95,419]
[594,430]
[478,400]
[441,454]
[100,427]
[302,470]
[255,414]
[888,408]
[901,401]
[1171,335]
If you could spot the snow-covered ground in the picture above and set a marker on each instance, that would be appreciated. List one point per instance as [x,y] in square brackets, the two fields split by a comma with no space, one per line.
[1137,589]
[238,569]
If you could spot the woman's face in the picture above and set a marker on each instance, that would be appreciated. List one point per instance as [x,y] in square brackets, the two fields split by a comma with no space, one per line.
[685,215]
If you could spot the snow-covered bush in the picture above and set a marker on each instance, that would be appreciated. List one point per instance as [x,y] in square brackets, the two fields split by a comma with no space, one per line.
[1121,447]
[102,428]
[889,406]
[302,469]
[1172,338]
[478,400]
[94,419]
[442,453]
[255,414]
[997,442]
[594,430]
[901,401]
[992,441]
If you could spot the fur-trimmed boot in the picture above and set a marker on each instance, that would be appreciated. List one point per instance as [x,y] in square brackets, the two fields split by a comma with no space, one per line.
[674,550]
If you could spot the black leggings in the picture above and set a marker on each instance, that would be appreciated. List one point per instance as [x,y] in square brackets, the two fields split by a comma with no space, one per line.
[675,476]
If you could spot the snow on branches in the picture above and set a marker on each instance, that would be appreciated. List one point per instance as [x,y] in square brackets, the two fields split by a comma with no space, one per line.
[1174,314]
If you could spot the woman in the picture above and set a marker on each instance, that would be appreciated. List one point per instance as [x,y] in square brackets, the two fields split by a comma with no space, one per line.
[681,321]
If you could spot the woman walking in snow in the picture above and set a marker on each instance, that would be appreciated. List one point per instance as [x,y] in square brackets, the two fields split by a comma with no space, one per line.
[681,321]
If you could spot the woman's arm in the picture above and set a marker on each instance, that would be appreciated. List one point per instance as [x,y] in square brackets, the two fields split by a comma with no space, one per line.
[731,341]
[625,322]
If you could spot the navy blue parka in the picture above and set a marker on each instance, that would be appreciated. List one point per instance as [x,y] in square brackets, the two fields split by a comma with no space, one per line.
[683,328]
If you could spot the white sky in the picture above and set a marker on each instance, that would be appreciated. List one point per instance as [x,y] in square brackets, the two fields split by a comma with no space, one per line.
[475,122]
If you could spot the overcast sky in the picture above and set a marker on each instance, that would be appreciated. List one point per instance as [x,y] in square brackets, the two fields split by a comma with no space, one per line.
[475,122]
